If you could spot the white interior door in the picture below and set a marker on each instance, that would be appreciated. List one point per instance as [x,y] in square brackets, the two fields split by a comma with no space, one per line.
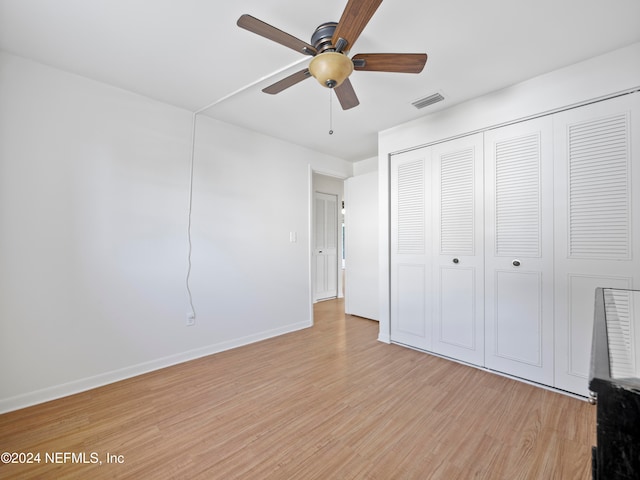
[458,249]
[361,246]
[597,160]
[325,249]
[411,248]
[519,250]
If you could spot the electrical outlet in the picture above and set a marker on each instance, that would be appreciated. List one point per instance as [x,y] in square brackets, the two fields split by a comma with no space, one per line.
[191,319]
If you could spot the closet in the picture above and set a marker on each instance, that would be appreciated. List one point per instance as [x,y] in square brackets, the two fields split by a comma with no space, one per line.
[436,269]
[519,253]
[499,239]
[597,222]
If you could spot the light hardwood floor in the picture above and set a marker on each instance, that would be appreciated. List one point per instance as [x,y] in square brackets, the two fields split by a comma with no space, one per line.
[328,402]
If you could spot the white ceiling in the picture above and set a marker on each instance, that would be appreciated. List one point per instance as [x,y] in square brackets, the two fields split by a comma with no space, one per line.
[190,53]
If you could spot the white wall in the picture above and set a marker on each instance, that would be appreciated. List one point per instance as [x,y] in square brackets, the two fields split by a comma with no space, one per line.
[592,79]
[93,221]
[365,166]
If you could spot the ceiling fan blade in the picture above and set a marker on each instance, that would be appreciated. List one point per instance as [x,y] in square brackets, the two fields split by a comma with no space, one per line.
[354,18]
[346,95]
[287,82]
[272,33]
[390,62]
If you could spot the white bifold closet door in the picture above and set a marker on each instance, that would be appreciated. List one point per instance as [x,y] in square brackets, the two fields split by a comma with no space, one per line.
[519,249]
[437,297]
[597,204]
[458,249]
[411,248]
[509,282]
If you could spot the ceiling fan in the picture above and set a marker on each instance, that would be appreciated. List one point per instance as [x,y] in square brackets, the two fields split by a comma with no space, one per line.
[329,46]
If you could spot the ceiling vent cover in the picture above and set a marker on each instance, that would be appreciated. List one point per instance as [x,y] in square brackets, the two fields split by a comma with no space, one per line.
[426,101]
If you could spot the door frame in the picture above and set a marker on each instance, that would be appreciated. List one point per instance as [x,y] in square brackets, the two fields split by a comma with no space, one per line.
[340,177]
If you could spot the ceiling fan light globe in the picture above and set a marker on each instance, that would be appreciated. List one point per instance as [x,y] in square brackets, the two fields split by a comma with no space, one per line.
[330,69]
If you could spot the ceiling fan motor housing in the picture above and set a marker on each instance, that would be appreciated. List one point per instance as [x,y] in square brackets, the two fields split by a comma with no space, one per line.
[321,38]
[329,67]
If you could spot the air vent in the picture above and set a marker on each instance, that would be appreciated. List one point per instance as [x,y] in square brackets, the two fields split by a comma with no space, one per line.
[426,101]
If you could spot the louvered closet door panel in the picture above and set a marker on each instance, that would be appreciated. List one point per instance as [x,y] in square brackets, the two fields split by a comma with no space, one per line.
[410,247]
[597,222]
[519,250]
[458,293]
[620,310]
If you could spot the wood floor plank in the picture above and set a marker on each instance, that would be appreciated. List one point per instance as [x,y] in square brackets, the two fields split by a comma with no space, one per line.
[328,402]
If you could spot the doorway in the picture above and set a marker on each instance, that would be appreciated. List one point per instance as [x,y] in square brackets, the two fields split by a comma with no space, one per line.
[325,246]
[327,237]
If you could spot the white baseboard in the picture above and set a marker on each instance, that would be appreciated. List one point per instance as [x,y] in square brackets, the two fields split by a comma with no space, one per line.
[384,338]
[58,391]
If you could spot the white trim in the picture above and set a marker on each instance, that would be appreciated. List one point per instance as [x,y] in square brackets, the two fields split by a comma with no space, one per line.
[310,242]
[89,383]
[384,338]
[331,173]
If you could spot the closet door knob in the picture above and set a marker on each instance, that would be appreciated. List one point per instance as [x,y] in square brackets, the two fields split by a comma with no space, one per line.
[455,260]
[516,263]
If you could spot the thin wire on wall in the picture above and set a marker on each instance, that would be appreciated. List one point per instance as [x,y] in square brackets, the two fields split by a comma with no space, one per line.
[190,210]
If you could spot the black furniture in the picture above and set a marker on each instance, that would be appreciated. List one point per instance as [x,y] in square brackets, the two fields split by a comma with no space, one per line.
[615,384]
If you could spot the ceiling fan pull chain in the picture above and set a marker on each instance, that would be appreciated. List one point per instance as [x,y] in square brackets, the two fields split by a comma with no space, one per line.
[330,111]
